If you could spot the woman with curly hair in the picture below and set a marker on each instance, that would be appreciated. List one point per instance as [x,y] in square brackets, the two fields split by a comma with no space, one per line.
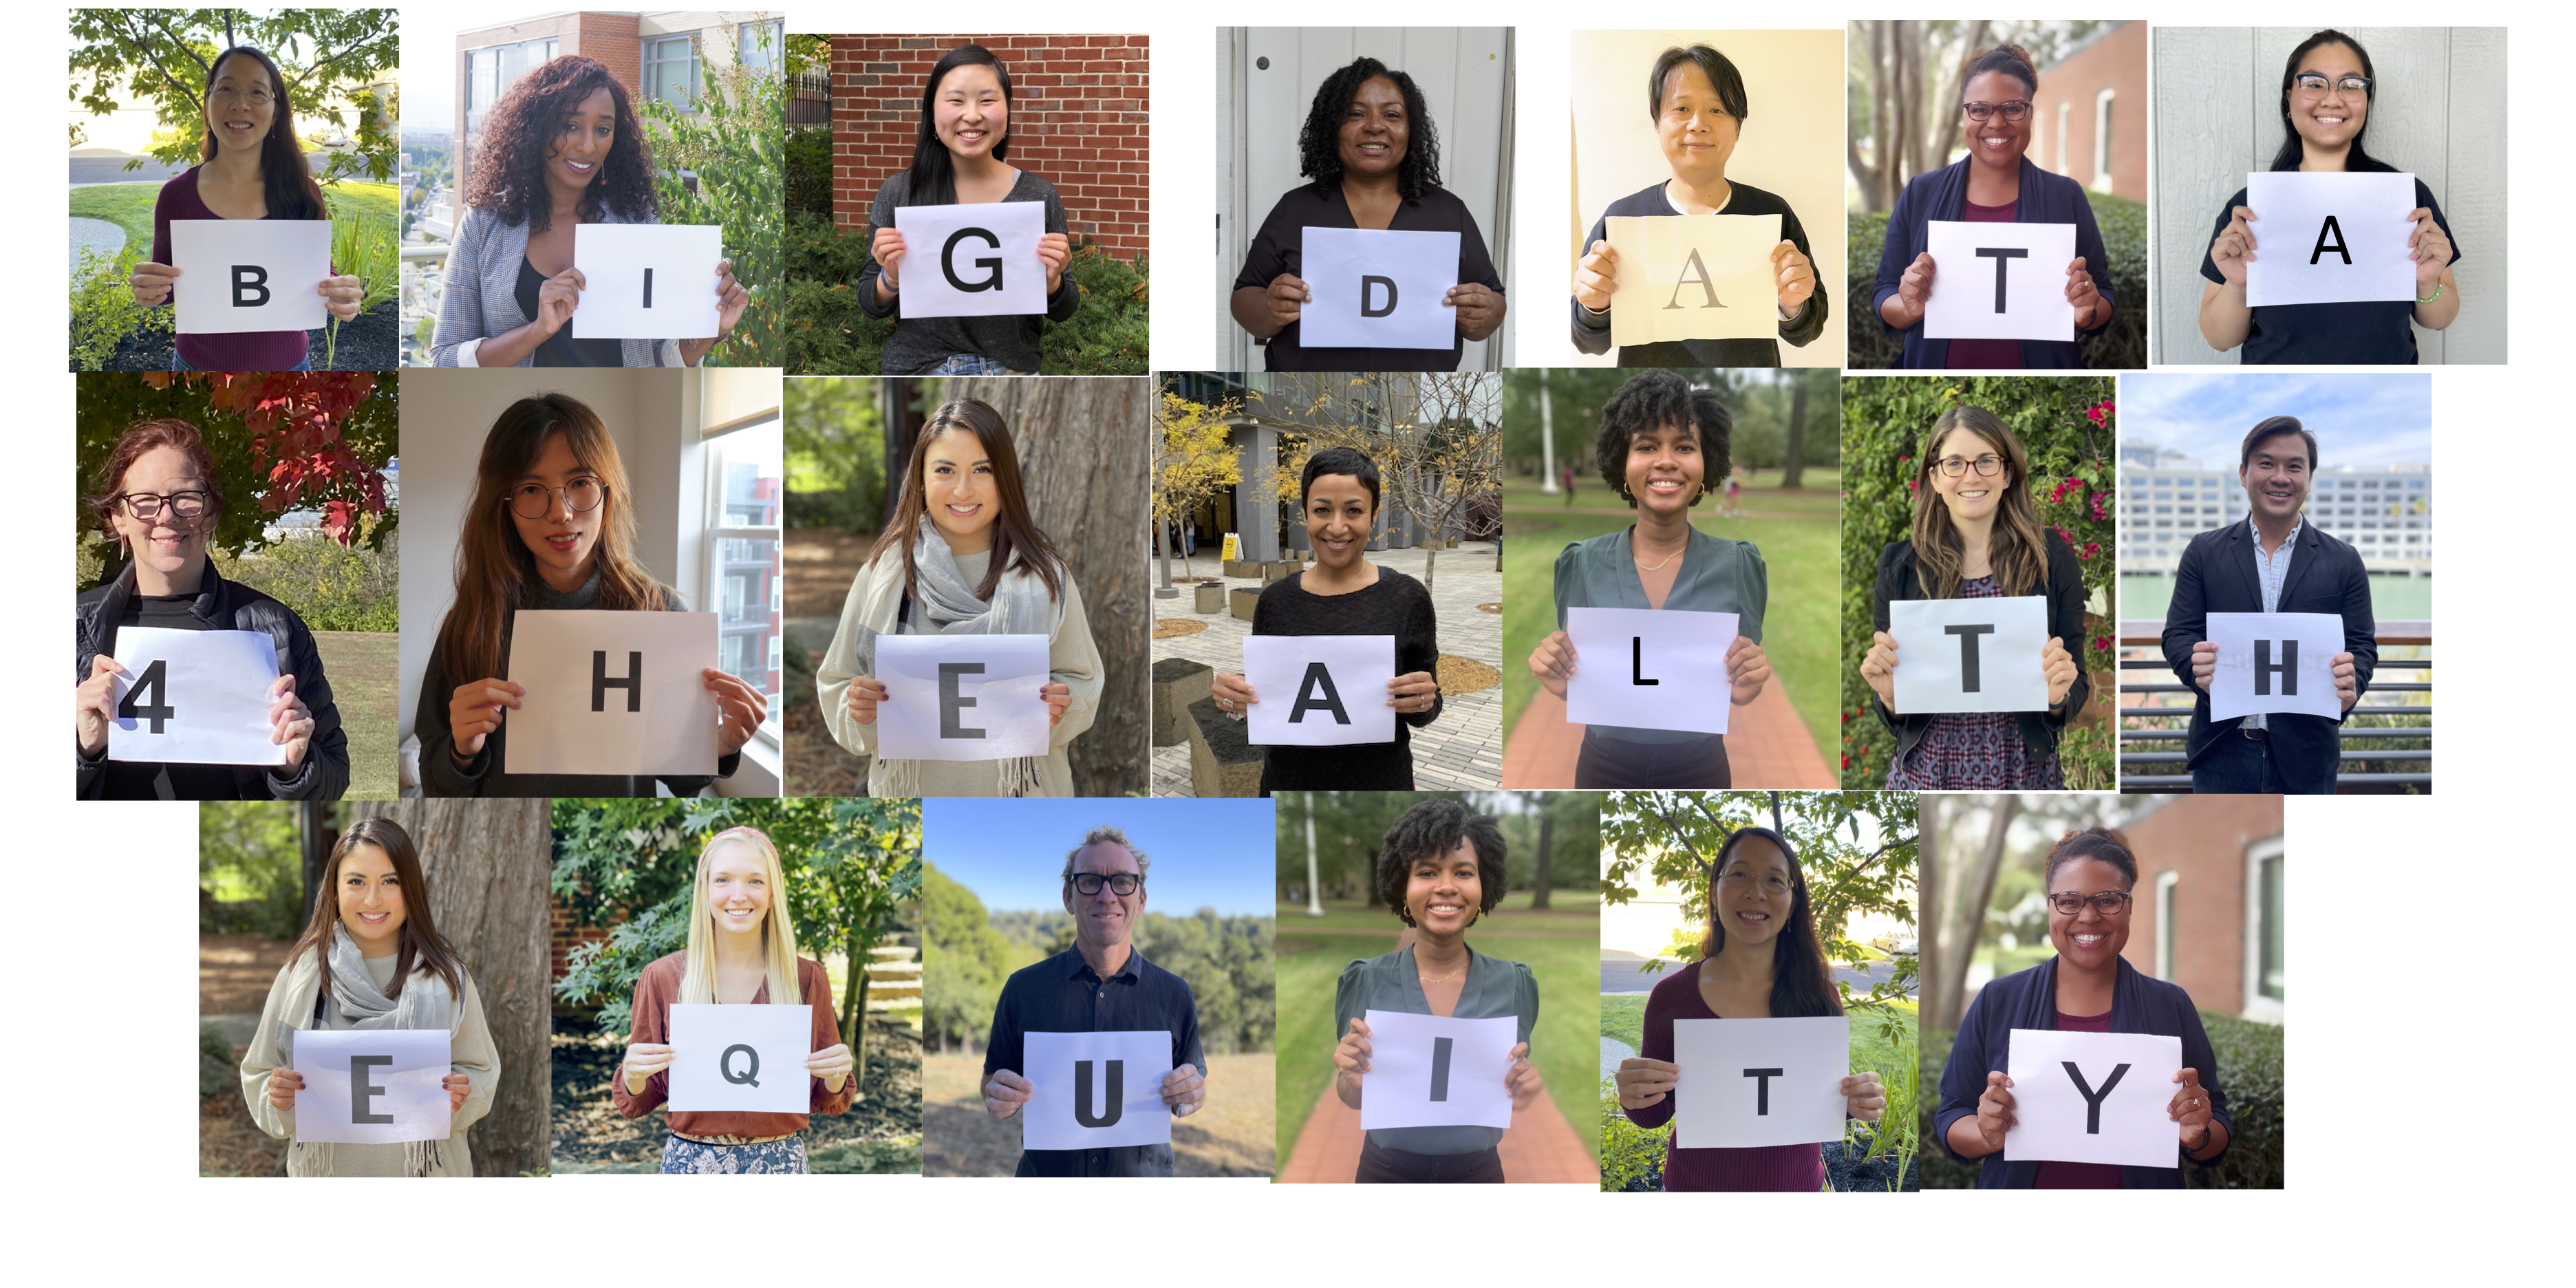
[957,156]
[1661,442]
[1439,869]
[561,148]
[1374,155]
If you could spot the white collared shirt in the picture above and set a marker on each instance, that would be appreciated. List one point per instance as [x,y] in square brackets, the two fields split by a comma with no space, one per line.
[2274,569]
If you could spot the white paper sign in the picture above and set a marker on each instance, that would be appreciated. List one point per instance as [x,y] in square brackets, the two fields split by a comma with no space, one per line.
[1092,1090]
[646,281]
[2275,662]
[371,1086]
[2093,1098]
[611,693]
[1437,1071]
[741,1058]
[1694,277]
[971,261]
[1969,654]
[2329,238]
[962,697]
[2000,281]
[1318,690]
[249,274]
[1649,668]
[1760,1082]
[194,697]
[1377,289]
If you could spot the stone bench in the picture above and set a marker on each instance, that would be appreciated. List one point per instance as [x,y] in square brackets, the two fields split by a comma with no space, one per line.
[1178,682]
[1222,763]
[1242,568]
[1244,597]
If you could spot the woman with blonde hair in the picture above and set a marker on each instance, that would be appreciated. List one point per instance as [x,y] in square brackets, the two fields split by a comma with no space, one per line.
[741,949]
[550,527]
[1977,535]
[979,566]
[371,959]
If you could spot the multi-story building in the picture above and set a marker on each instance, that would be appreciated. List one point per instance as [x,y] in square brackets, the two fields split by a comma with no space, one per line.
[2167,498]
[667,54]
[749,592]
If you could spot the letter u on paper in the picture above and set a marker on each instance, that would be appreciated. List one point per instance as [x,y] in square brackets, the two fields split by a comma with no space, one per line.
[1694,277]
[1650,669]
[1121,1070]
[1969,654]
[249,274]
[1319,690]
[1760,1082]
[611,693]
[647,281]
[1405,1060]
[741,1058]
[1399,309]
[978,260]
[371,1086]
[2072,1103]
[962,697]
[194,697]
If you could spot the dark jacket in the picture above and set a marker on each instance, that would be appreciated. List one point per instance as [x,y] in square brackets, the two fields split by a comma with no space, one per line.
[1943,194]
[2028,1000]
[228,606]
[2065,591]
[2218,574]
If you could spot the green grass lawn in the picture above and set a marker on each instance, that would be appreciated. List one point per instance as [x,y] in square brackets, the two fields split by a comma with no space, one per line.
[365,675]
[1799,624]
[129,205]
[2007,961]
[1624,1018]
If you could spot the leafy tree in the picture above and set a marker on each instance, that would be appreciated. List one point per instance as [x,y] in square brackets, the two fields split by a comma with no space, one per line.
[1350,829]
[835,458]
[963,961]
[329,59]
[1227,962]
[723,160]
[250,868]
[1436,438]
[1194,462]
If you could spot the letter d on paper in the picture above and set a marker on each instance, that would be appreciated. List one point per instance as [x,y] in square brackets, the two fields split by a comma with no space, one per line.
[1368,291]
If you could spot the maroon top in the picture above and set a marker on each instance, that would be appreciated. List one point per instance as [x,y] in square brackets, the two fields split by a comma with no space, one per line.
[1787,1168]
[1990,354]
[236,351]
[2079,1176]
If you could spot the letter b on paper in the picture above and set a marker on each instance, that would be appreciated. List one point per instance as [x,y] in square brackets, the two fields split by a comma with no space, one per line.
[1319,690]
[1650,669]
[2274,663]
[2000,281]
[1089,1090]
[371,1086]
[962,697]
[249,275]
[2093,1097]
[1694,277]
[1969,654]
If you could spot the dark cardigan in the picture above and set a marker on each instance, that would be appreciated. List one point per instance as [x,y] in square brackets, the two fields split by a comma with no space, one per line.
[2028,1000]
[2065,591]
[1943,194]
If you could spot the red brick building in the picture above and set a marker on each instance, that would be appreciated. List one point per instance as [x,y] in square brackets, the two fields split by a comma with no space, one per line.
[1077,121]
[2211,901]
[668,54]
[2092,113]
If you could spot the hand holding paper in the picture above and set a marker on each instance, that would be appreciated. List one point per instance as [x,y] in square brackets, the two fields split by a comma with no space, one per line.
[1377,288]
[2092,1097]
[982,259]
[1999,281]
[1440,1071]
[200,698]
[1695,277]
[2333,237]
[238,275]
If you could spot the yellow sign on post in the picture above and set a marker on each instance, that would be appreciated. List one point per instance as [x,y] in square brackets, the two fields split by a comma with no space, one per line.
[1233,548]
[1694,277]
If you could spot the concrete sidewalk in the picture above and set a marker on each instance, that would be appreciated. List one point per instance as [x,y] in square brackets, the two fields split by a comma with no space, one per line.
[1767,745]
[1540,1147]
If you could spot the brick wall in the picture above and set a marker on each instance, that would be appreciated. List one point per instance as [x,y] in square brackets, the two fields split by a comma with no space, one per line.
[2116,60]
[564,938]
[2202,840]
[1077,121]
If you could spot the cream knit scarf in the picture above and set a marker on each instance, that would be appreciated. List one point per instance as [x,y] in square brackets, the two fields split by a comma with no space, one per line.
[354,1002]
[945,604]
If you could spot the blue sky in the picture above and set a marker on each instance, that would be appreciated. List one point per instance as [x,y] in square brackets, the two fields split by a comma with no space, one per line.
[2359,419]
[1206,853]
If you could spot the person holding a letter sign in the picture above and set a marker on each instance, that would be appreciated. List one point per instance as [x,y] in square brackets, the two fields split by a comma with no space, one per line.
[1760,959]
[2274,562]
[158,497]
[1374,155]
[2328,92]
[1993,184]
[1697,101]
[1346,594]
[371,959]
[1439,869]
[1100,985]
[1978,536]
[741,949]
[963,557]
[1661,442]
[250,166]
[2088,987]
[957,160]
[560,149]
[549,527]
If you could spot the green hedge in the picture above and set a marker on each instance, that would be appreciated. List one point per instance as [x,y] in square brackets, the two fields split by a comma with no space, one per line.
[2121,346]
[809,170]
[829,335]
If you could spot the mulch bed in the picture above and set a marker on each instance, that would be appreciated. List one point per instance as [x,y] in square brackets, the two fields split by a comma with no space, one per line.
[589,1130]
[228,1142]
[817,765]
[1459,675]
[373,342]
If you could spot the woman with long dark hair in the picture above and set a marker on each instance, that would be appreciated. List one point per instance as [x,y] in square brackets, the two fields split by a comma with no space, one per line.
[551,526]
[1977,535]
[1760,959]
[2328,91]
[1994,184]
[371,958]
[562,148]
[2088,987]
[958,159]
[1373,152]
[249,166]
[963,556]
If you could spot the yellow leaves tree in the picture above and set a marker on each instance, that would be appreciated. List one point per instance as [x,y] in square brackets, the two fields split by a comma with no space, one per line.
[1436,438]
[1194,461]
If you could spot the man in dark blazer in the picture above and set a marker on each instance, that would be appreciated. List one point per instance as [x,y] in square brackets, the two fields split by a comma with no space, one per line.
[2276,562]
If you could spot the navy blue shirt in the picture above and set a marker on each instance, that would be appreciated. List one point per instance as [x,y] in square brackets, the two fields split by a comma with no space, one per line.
[1592,334]
[1942,194]
[2378,332]
[1064,995]
[1280,247]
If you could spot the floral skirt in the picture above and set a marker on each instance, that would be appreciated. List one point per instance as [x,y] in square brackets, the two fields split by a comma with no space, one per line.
[682,1157]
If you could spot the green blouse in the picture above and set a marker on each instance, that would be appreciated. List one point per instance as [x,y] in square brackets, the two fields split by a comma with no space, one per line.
[1494,988]
[1718,575]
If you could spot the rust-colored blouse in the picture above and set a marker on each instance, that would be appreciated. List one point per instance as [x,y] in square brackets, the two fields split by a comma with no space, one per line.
[659,986]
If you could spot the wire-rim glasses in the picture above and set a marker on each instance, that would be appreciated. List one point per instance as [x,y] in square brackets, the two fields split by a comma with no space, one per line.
[536,500]
[2316,83]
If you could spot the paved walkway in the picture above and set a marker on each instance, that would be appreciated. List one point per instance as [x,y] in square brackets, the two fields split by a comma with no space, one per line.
[1767,745]
[1463,749]
[106,237]
[1541,1147]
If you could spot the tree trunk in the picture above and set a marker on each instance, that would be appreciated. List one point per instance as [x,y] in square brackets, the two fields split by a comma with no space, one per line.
[1963,921]
[902,423]
[1546,853]
[1793,470]
[1082,445]
[486,863]
[854,1009]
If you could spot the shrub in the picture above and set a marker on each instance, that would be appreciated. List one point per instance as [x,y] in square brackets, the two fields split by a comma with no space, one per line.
[216,1072]
[827,334]
[1632,1157]
[1941,1170]
[722,163]
[331,586]
[363,245]
[809,171]
[103,307]
[2120,346]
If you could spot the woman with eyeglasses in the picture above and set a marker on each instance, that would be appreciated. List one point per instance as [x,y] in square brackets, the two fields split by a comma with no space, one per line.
[1977,536]
[551,526]
[2327,93]
[1760,959]
[2086,988]
[1439,869]
[159,499]
[1994,184]
[250,166]
[1696,99]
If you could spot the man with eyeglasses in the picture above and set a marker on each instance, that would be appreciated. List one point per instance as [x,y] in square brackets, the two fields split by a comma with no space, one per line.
[1100,985]
[2274,562]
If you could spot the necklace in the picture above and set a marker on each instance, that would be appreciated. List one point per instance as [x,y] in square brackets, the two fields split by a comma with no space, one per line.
[1656,567]
[1445,978]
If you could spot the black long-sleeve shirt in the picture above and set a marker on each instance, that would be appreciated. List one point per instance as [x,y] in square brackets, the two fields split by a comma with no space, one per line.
[1592,334]
[1064,995]
[1394,605]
